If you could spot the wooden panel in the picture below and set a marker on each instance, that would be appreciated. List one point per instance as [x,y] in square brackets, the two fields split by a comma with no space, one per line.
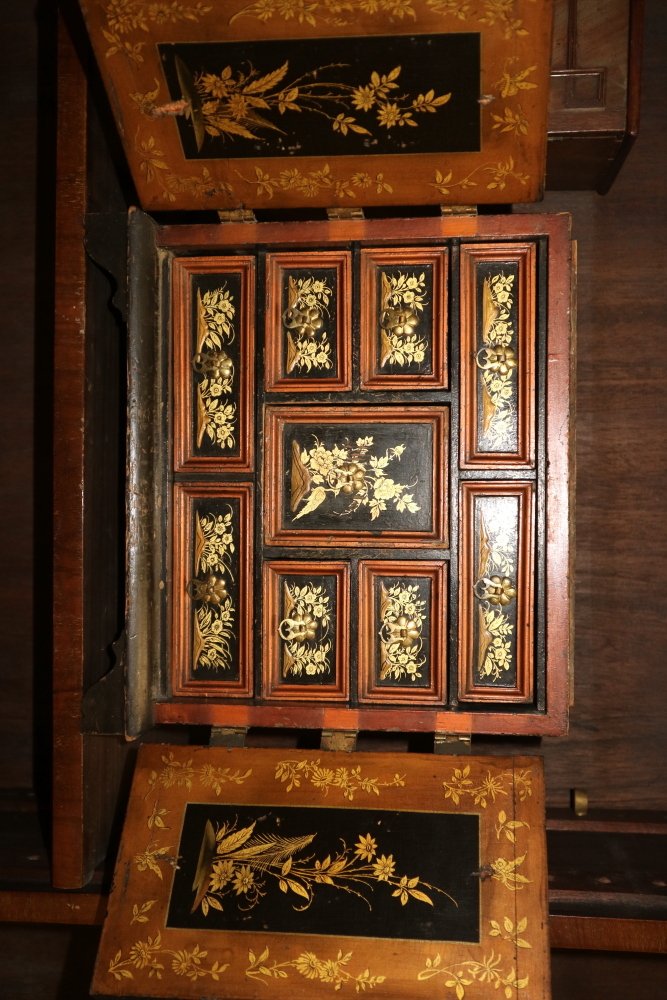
[205,712]
[320,463]
[27,355]
[608,934]
[614,748]
[269,875]
[496,592]
[309,321]
[594,92]
[402,632]
[498,355]
[214,306]
[390,231]
[363,105]
[70,863]
[306,631]
[404,319]
[605,976]
[212,590]
[53,907]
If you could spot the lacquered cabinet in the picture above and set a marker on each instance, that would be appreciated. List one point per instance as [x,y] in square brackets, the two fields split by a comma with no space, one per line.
[360,483]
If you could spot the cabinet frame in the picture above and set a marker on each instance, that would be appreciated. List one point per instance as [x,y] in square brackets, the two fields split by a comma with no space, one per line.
[547,714]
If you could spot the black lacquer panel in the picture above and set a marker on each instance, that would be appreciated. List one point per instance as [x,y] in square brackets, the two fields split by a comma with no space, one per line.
[260,864]
[358,477]
[213,588]
[404,330]
[497,356]
[495,590]
[307,629]
[318,96]
[403,631]
[216,364]
[309,317]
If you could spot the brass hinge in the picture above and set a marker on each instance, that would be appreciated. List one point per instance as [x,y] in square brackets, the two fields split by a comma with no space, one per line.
[340,213]
[458,209]
[339,739]
[236,215]
[227,736]
[451,743]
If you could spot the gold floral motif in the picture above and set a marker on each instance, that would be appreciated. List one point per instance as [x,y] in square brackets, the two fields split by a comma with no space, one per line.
[402,617]
[461,784]
[139,912]
[508,933]
[315,181]
[486,971]
[149,859]
[501,171]
[126,16]
[496,360]
[146,102]
[506,872]
[327,11]
[350,470]
[325,778]
[229,104]
[513,121]
[214,618]
[215,328]
[233,862]
[508,826]
[511,83]
[494,656]
[155,819]
[311,967]
[500,12]
[402,301]
[306,619]
[144,954]
[307,301]
[176,774]
[457,8]
[152,162]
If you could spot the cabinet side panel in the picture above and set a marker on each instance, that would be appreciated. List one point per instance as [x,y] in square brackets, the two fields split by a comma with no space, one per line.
[69,384]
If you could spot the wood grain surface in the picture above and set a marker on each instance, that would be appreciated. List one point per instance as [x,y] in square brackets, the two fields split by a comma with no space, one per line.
[69,388]
[18,116]
[615,746]
[510,905]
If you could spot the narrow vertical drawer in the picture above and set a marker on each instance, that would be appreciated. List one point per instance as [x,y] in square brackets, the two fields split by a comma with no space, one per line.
[403,318]
[213,322]
[211,649]
[496,592]
[306,631]
[402,625]
[498,345]
[309,322]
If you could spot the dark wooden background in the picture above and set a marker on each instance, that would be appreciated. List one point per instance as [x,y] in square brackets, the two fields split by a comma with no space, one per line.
[616,746]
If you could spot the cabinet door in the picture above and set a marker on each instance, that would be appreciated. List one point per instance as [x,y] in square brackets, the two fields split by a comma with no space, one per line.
[357,536]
